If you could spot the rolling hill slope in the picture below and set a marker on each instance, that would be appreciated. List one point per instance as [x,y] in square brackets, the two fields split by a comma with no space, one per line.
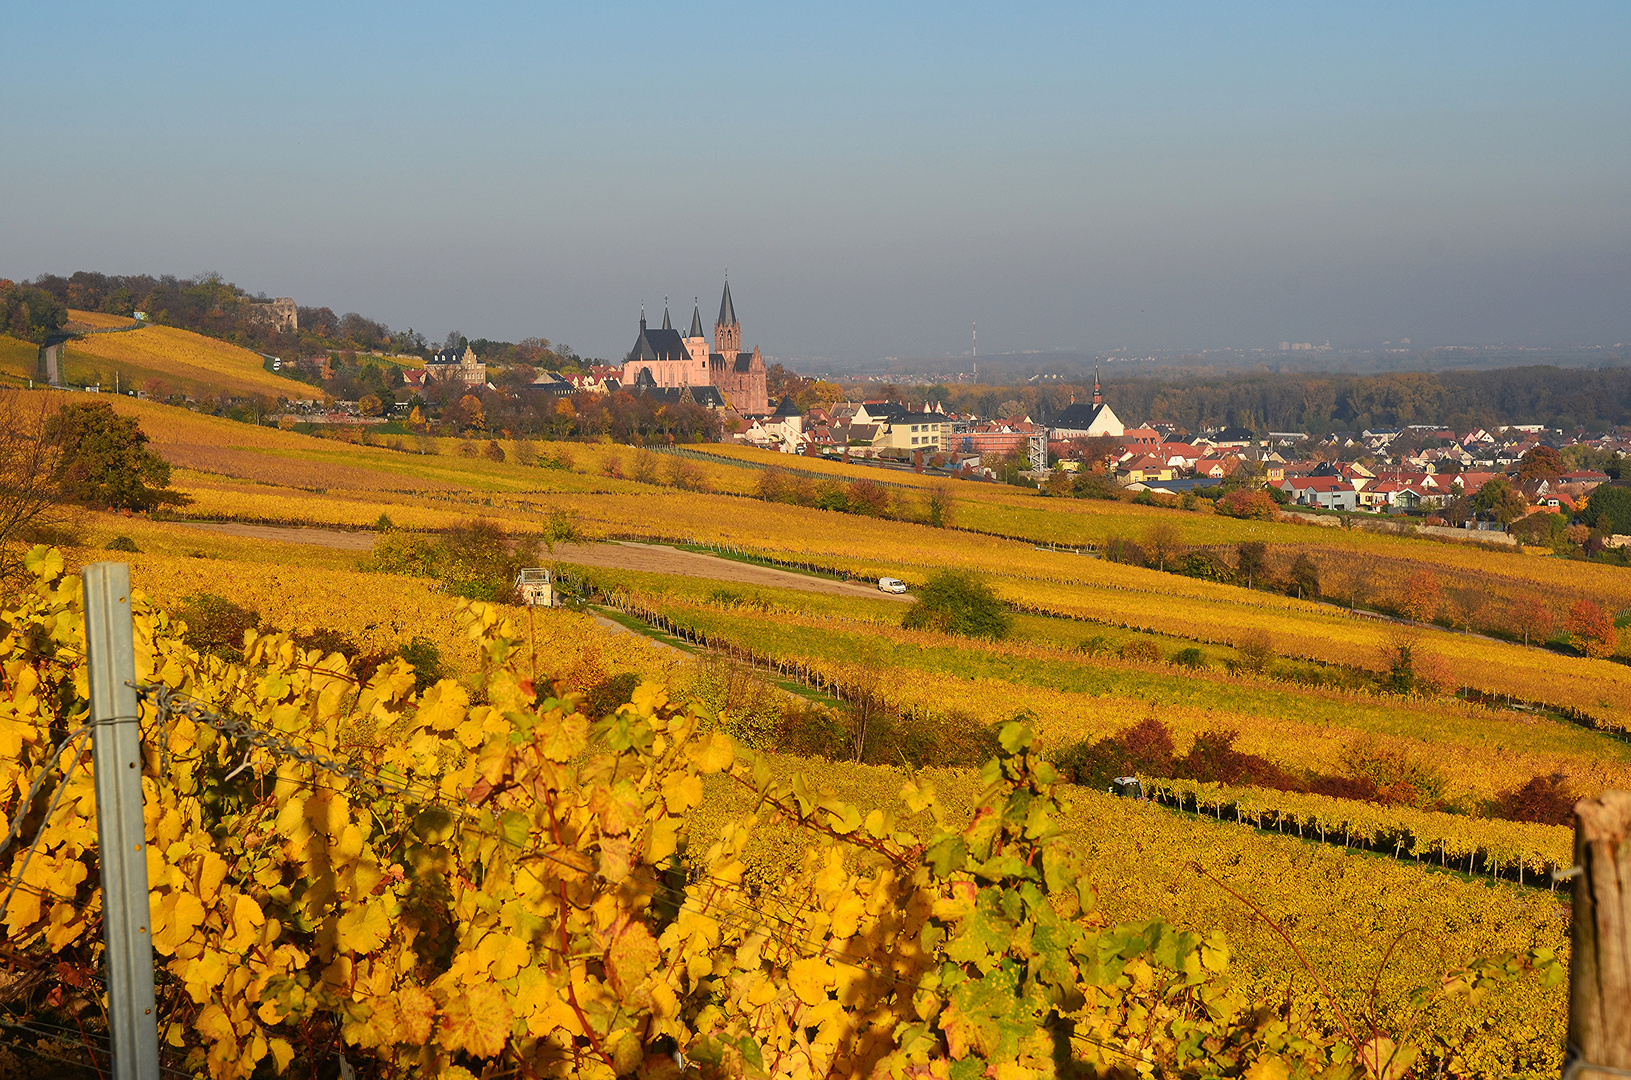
[184,362]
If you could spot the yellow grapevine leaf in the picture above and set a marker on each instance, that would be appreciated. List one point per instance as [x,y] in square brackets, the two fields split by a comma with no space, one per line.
[631,952]
[178,915]
[415,1009]
[681,792]
[1267,1068]
[364,928]
[443,706]
[503,955]
[663,841]
[715,755]
[477,1021]
[809,978]
[282,1053]
[247,920]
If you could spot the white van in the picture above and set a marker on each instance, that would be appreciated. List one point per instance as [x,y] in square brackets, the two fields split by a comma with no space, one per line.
[889,584]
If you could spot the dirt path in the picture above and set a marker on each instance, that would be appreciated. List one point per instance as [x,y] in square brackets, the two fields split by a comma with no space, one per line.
[616,555]
[330,538]
[622,555]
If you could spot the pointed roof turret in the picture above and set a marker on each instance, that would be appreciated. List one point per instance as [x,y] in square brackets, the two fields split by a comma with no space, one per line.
[696,320]
[1098,398]
[666,324]
[727,311]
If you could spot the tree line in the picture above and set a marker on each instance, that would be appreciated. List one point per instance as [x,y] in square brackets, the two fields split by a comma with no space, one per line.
[1319,404]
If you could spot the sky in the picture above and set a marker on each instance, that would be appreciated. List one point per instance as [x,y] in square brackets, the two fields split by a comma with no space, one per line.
[875,178]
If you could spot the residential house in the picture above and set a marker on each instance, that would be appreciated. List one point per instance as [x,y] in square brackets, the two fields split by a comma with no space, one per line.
[1144,468]
[1330,492]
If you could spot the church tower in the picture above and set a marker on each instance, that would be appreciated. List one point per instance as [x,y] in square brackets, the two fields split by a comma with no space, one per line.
[696,344]
[727,331]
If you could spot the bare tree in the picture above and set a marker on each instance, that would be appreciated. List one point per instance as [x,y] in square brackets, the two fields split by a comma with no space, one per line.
[28,462]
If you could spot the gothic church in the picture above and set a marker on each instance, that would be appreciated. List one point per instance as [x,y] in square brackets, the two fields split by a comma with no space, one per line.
[665,359]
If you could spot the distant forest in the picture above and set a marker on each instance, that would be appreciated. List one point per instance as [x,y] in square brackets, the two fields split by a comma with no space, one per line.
[1567,398]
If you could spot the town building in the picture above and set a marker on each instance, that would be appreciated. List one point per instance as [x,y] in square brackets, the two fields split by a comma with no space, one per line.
[451,365]
[664,359]
[1083,420]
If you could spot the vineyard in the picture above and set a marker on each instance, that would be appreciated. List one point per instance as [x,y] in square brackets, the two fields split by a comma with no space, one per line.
[184,362]
[1367,811]
[486,875]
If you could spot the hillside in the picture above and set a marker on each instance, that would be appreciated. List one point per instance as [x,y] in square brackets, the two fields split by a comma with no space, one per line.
[18,361]
[1414,791]
[166,359]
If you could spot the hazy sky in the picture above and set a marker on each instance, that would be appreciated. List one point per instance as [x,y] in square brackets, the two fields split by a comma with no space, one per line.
[876,177]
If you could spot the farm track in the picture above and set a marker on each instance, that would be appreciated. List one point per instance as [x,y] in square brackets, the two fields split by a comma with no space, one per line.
[615,555]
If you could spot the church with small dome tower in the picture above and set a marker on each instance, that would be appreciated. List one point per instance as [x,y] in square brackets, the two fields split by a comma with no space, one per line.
[662,358]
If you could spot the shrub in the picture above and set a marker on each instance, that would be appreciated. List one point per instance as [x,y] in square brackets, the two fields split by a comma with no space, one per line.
[1090,485]
[1190,657]
[1097,645]
[644,467]
[1120,550]
[426,660]
[868,497]
[686,475]
[1244,503]
[216,625]
[1212,758]
[492,451]
[810,730]
[605,697]
[478,561]
[953,739]
[1256,651]
[1396,776]
[959,602]
[1141,649]
[1543,799]
[123,543]
[1143,749]
[1591,629]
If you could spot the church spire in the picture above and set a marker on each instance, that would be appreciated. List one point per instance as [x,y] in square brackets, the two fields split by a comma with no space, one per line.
[642,316]
[666,324]
[1098,398]
[727,331]
[696,319]
[727,310]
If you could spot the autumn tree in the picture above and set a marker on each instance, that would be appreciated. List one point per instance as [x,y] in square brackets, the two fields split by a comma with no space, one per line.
[1540,463]
[1304,578]
[1422,595]
[1163,544]
[1500,498]
[1608,510]
[28,462]
[1251,560]
[1532,619]
[1591,629]
[103,460]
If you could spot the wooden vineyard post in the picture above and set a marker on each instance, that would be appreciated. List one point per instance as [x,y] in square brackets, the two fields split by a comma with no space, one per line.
[1600,967]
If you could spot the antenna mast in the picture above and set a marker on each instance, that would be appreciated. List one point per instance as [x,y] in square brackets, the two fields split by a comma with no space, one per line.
[976,332]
